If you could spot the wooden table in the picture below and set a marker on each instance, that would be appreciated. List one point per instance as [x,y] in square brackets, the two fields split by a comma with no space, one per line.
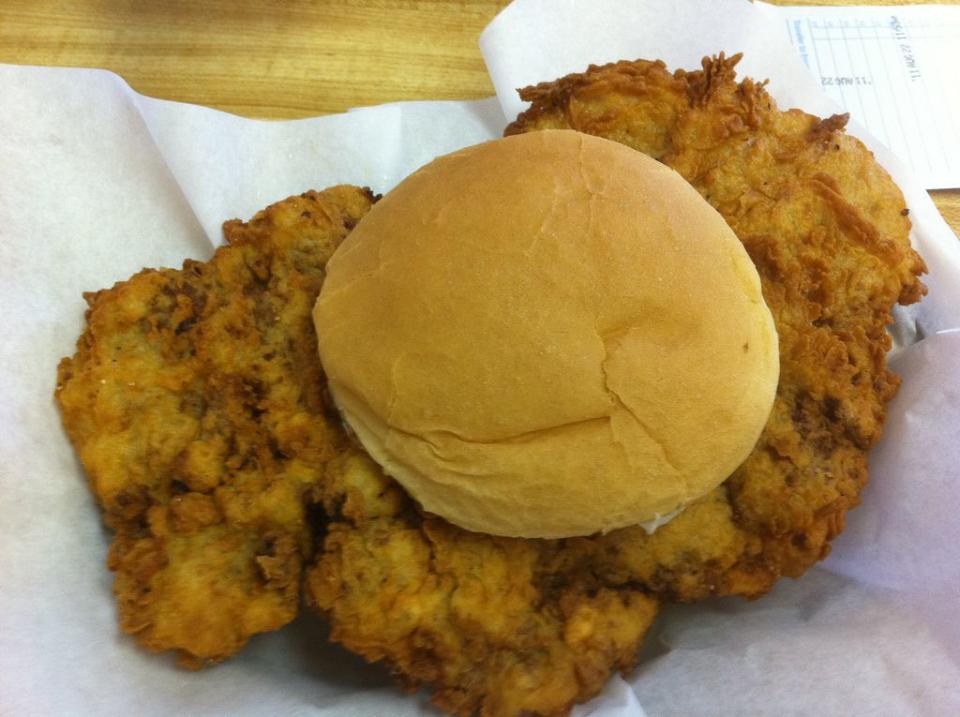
[277,58]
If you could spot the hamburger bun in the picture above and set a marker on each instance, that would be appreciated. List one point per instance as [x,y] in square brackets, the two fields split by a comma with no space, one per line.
[548,335]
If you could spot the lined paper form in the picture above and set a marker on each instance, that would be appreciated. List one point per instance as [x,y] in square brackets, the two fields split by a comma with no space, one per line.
[896,70]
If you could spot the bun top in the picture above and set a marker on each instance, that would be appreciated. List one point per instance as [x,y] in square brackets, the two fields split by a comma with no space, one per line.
[548,335]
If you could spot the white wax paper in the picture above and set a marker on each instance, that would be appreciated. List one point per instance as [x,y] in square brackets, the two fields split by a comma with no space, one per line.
[97,182]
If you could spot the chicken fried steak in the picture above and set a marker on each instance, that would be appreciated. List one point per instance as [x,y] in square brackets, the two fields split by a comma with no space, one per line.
[828,232]
[195,403]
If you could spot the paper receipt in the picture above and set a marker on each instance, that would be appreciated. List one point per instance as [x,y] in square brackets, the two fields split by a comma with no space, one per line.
[894,69]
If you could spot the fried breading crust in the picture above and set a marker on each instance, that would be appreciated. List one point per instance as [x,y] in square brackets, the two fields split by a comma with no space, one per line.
[476,616]
[195,403]
[828,231]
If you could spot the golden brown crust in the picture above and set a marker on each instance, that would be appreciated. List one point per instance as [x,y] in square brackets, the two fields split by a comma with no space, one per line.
[828,232]
[476,616]
[194,401]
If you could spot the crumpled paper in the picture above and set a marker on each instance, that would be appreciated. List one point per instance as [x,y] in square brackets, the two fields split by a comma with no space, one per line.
[97,182]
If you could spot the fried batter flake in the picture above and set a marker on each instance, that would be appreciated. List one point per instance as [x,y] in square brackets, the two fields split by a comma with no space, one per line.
[195,403]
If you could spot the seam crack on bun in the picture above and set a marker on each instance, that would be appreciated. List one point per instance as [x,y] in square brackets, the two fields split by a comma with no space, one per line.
[548,335]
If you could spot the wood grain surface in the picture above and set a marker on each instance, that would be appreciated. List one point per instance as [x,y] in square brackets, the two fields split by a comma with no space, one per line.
[278,58]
